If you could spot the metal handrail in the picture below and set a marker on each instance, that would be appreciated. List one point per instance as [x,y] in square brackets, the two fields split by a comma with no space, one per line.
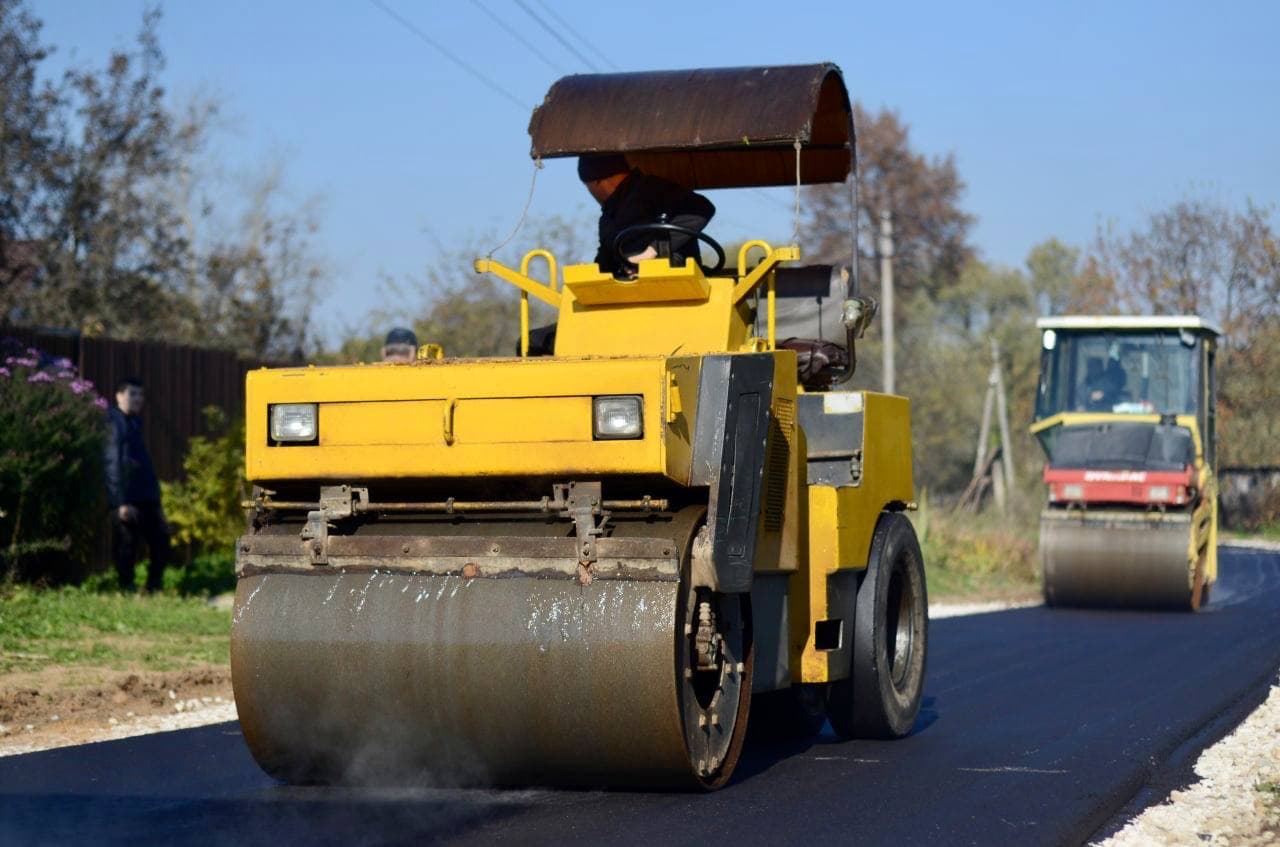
[552,294]
[552,276]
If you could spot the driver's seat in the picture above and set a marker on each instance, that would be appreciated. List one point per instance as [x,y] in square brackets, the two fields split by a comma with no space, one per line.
[809,320]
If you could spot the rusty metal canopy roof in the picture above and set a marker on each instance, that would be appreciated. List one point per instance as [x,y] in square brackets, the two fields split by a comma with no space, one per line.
[705,128]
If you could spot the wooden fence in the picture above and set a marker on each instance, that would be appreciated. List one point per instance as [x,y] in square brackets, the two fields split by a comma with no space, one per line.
[180,382]
[1248,498]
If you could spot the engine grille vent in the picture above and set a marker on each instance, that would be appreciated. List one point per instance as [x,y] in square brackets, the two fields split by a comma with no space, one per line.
[782,435]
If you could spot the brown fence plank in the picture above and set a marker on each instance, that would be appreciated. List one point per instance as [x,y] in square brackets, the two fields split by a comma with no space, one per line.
[180,381]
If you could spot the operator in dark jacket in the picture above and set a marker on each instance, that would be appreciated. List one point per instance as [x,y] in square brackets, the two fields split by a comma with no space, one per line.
[629,198]
[133,491]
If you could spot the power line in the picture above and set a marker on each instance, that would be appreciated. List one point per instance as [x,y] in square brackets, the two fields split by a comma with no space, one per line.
[765,197]
[515,33]
[557,36]
[449,54]
[585,42]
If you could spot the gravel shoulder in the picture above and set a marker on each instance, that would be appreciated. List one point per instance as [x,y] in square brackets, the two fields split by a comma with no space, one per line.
[1251,543]
[61,706]
[1236,800]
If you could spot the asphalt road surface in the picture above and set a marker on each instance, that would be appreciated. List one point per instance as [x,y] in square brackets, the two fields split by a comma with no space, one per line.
[1039,727]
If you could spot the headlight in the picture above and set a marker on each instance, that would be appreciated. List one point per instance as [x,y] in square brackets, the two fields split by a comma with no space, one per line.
[618,417]
[293,422]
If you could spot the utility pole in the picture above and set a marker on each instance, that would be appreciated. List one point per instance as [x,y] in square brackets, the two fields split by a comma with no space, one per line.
[1001,460]
[885,249]
[1002,412]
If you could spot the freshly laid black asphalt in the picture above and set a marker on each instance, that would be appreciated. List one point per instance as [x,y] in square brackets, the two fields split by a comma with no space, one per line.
[1039,726]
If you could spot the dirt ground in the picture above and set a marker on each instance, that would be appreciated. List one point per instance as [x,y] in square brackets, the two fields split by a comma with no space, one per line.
[58,706]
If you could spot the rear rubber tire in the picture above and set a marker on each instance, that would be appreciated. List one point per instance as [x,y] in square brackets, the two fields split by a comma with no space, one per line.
[881,696]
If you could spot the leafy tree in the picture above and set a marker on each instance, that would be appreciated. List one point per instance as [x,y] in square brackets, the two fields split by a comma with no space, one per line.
[944,371]
[1055,270]
[112,223]
[30,137]
[109,242]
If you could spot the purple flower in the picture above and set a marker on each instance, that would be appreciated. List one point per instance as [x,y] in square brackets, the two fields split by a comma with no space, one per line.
[40,376]
[80,386]
[21,361]
[4,371]
[31,351]
[64,363]
[65,374]
[101,403]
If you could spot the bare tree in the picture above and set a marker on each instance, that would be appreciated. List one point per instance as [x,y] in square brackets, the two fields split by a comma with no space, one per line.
[1201,257]
[469,315]
[260,276]
[931,230]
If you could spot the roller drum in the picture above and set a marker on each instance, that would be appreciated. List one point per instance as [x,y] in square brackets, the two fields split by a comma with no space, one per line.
[373,675]
[1124,559]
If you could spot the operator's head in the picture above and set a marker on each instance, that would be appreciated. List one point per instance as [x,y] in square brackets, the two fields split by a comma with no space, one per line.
[129,395]
[401,345]
[602,174]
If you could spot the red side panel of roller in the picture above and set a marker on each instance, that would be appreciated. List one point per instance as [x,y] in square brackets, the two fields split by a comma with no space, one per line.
[1140,488]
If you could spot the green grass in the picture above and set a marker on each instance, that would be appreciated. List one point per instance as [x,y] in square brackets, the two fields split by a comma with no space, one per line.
[983,556]
[79,626]
[946,584]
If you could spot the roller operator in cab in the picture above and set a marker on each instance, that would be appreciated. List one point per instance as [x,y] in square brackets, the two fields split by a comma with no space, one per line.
[630,198]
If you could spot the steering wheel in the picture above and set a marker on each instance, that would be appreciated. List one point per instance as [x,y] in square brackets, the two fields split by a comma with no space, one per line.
[632,231]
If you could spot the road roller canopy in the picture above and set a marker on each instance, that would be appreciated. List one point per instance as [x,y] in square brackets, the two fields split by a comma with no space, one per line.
[1139,365]
[706,128]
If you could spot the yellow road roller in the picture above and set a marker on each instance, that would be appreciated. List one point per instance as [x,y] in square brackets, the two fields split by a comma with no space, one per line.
[577,568]
[1125,414]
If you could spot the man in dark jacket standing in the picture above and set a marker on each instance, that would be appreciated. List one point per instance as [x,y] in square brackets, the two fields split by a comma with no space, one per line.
[629,198]
[133,491]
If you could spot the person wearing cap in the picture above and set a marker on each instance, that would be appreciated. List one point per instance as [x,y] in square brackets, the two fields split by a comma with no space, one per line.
[401,346]
[630,198]
[133,491]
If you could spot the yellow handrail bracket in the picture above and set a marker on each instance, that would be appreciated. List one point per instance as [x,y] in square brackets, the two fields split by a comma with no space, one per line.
[774,256]
[527,284]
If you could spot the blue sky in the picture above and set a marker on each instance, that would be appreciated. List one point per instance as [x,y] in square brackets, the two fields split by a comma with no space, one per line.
[1060,115]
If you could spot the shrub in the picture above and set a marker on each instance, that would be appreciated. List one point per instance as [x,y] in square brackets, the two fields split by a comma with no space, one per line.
[980,554]
[204,509]
[52,430]
[208,574]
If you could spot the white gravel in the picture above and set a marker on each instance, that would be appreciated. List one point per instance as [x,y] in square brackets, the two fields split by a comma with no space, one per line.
[186,714]
[1226,807]
[1251,543]
[955,610]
